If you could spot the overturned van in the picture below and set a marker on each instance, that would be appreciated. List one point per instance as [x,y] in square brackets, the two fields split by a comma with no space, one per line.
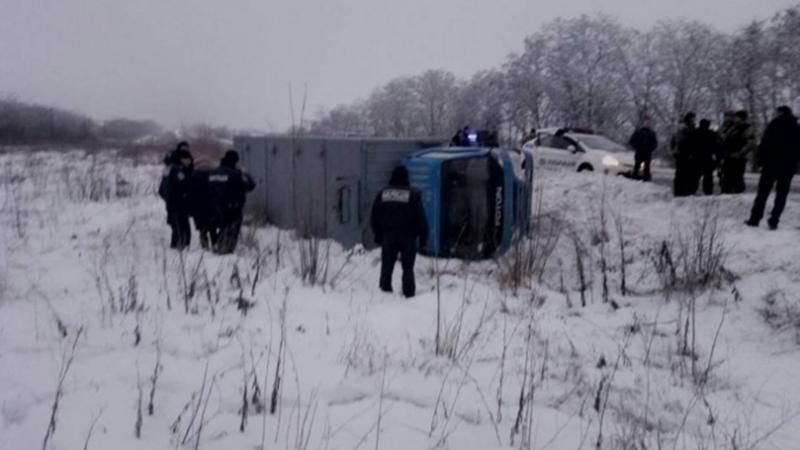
[475,198]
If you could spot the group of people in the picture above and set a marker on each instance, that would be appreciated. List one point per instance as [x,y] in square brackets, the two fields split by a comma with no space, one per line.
[700,151]
[213,197]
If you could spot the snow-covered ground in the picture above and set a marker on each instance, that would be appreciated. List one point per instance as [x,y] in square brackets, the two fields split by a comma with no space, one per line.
[93,304]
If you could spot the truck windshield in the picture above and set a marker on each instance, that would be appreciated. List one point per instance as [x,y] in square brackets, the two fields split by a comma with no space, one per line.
[472,213]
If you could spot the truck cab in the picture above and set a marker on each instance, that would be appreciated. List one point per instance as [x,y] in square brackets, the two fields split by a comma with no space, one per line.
[475,198]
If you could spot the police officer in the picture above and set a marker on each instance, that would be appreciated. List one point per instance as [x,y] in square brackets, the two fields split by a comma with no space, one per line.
[200,210]
[398,223]
[738,143]
[644,142]
[778,156]
[528,137]
[183,145]
[683,149]
[227,188]
[460,138]
[174,190]
[706,148]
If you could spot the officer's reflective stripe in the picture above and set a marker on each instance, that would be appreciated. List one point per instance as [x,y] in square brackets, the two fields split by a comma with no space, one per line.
[218,178]
[396,195]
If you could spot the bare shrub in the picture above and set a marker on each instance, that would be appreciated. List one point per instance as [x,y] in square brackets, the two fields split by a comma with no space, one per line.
[314,254]
[362,351]
[523,423]
[581,255]
[459,339]
[67,358]
[527,260]
[619,227]
[157,369]
[694,256]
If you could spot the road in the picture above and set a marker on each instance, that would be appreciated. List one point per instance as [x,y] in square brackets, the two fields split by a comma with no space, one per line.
[664,176]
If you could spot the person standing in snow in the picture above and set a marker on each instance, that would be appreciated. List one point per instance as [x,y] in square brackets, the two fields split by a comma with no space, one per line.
[174,189]
[529,137]
[738,143]
[227,189]
[683,150]
[778,157]
[399,225]
[706,148]
[200,211]
[460,138]
[644,142]
[182,145]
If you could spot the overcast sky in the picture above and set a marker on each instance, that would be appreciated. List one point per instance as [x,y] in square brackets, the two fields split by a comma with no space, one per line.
[230,62]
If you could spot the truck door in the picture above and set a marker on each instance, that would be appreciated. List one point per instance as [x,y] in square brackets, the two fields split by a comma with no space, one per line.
[555,152]
[343,217]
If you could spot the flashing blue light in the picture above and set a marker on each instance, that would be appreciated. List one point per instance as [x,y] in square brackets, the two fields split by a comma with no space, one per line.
[472,137]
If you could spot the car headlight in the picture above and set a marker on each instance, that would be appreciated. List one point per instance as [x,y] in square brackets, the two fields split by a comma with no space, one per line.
[610,161]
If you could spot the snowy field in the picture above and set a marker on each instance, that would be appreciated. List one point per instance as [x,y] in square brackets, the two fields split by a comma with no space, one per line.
[108,340]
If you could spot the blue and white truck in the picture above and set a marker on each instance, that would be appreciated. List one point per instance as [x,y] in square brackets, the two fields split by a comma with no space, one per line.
[476,198]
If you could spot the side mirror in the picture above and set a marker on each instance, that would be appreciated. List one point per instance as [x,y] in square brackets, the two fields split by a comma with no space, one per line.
[572,149]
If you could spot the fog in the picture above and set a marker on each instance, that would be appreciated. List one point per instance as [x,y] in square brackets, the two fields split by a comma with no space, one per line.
[231,63]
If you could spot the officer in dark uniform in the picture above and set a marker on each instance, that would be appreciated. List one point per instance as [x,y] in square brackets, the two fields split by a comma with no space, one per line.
[183,145]
[778,157]
[174,190]
[644,142]
[684,150]
[706,151]
[528,137]
[460,138]
[200,210]
[227,188]
[399,224]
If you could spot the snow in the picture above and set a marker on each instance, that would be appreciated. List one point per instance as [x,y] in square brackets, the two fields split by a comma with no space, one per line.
[359,369]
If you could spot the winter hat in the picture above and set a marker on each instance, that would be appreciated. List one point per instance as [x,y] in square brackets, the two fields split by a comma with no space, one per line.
[785,111]
[705,124]
[741,114]
[181,153]
[689,117]
[182,145]
[231,158]
[399,176]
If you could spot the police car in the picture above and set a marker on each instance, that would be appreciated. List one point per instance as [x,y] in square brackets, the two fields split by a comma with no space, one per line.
[580,150]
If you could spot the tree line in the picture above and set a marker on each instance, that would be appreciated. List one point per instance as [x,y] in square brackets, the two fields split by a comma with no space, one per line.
[23,123]
[591,71]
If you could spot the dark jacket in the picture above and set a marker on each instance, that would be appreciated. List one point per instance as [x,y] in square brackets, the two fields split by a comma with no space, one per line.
[398,212]
[227,188]
[738,140]
[706,146]
[644,141]
[175,187]
[199,195]
[780,146]
[684,143]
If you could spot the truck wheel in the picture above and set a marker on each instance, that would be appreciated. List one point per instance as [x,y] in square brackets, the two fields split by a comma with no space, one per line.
[585,168]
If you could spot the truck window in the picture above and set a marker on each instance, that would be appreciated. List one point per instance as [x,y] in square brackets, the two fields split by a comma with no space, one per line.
[472,206]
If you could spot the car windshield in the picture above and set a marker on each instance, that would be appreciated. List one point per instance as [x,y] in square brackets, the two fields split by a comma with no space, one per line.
[597,142]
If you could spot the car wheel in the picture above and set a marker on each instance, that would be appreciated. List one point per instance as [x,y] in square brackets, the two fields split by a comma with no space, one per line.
[585,168]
